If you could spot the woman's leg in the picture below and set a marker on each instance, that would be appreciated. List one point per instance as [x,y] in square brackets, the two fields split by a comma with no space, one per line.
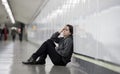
[54,56]
[48,47]
[41,53]
[41,59]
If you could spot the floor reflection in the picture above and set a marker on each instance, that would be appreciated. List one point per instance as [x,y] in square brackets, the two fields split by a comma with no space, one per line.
[37,69]
[59,70]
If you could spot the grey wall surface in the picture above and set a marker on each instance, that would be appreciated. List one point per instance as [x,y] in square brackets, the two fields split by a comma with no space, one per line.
[96,26]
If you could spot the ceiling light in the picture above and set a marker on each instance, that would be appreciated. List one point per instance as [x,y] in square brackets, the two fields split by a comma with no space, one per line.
[7,7]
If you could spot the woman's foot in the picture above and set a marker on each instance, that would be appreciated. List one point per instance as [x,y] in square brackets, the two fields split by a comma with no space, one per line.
[33,62]
[27,62]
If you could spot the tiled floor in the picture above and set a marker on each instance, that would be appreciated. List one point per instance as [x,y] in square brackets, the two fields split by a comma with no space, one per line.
[13,53]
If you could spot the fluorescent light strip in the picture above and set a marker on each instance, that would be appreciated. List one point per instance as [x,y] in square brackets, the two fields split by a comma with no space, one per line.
[7,7]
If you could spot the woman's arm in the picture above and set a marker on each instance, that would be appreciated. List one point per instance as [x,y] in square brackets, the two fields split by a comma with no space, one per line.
[55,37]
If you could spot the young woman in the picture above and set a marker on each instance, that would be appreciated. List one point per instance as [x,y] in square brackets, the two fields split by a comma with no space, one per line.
[59,55]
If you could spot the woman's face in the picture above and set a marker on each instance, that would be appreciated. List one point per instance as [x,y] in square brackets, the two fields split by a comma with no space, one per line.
[66,31]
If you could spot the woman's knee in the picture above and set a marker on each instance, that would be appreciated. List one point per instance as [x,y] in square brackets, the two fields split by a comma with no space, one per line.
[51,42]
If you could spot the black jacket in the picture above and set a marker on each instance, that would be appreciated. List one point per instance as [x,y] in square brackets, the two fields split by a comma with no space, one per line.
[65,46]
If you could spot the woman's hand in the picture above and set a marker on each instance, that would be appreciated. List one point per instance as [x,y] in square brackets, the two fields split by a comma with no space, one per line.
[61,30]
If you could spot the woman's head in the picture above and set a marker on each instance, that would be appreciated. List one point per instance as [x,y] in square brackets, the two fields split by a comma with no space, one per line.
[68,30]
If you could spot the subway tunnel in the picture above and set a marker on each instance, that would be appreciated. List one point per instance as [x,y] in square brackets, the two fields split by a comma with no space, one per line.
[96,35]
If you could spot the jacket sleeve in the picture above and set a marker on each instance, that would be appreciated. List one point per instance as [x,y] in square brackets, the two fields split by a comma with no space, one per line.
[55,38]
[68,48]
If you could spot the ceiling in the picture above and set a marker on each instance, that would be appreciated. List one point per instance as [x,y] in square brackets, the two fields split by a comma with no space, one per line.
[3,14]
[23,10]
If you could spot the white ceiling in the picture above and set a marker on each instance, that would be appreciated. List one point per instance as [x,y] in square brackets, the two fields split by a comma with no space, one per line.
[23,10]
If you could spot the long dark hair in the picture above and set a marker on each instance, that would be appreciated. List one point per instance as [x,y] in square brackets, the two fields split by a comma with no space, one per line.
[70,28]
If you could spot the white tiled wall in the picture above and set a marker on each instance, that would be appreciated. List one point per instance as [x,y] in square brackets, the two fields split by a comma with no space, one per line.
[96,26]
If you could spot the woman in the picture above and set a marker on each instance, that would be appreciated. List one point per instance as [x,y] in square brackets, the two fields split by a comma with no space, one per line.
[59,55]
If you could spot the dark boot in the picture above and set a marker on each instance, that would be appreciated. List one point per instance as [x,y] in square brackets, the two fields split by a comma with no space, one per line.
[31,60]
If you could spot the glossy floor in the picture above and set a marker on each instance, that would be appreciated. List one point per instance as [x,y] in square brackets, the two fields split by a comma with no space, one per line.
[13,53]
